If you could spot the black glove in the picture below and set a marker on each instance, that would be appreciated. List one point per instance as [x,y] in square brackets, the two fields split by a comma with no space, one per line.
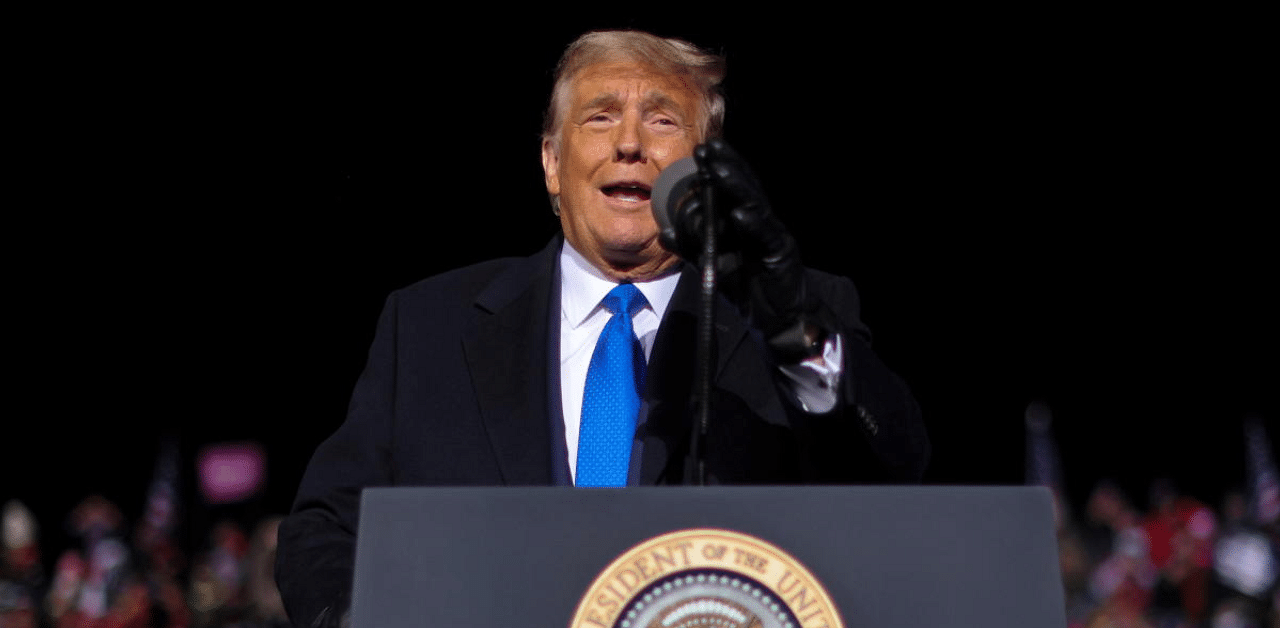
[756,256]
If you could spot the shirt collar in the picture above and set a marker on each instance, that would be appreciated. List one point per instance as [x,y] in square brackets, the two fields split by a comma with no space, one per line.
[583,286]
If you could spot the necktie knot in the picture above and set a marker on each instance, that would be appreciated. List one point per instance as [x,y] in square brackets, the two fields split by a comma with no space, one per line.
[624,298]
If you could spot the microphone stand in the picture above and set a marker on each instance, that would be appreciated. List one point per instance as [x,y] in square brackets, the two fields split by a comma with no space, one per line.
[706,329]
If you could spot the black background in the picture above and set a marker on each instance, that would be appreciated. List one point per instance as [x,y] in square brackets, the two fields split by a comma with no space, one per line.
[1051,205]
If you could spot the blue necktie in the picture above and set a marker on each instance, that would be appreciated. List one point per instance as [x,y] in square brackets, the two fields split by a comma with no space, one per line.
[611,398]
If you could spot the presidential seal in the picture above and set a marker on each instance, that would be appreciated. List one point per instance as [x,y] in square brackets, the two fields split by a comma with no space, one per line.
[706,578]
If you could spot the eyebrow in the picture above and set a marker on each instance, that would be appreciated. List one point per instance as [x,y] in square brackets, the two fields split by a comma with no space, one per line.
[654,99]
[603,101]
[659,100]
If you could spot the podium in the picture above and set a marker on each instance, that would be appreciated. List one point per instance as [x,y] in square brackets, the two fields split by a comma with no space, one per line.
[546,557]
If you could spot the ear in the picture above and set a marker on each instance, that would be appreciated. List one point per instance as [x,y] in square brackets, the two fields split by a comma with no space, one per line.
[551,167]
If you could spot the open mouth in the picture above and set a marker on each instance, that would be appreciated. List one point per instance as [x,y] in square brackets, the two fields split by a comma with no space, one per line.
[627,191]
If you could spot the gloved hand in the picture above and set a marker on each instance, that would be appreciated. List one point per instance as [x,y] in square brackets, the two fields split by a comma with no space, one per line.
[758,261]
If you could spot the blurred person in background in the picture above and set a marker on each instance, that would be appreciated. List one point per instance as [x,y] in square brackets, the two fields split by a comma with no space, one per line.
[233,582]
[22,576]
[63,598]
[217,577]
[1246,567]
[1180,532]
[1123,576]
[96,584]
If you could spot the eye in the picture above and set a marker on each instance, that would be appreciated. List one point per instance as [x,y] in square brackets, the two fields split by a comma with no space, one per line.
[664,124]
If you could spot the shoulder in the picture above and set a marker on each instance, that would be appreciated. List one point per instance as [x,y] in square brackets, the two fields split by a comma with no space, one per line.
[486,285]
[460,284]
[833,288]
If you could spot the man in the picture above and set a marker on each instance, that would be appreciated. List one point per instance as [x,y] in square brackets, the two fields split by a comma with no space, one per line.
[484,375]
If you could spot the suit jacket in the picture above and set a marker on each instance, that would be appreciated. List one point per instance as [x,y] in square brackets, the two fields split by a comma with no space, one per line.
[462,388]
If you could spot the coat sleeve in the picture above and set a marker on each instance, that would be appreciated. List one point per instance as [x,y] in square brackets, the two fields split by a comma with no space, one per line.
[316,550]
[876,432]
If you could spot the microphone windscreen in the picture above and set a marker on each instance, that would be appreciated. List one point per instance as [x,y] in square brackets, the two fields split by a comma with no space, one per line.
[673,185]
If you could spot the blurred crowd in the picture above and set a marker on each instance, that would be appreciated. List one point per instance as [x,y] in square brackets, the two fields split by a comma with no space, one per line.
[112,570]
[1179,563]
[1175,562]
[114,578]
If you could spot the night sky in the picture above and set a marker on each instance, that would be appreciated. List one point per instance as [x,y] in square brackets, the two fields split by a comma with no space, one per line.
[1065,208]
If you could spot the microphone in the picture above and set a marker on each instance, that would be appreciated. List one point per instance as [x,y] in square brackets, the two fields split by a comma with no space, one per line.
[675,184]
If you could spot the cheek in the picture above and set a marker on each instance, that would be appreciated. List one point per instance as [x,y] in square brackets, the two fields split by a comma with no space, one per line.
[667,150]
[586,154]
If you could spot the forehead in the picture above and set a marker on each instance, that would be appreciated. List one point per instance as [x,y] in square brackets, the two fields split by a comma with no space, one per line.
[627,79]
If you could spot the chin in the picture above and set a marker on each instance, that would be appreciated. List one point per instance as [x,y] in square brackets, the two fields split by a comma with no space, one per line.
[638,246]
[639,264]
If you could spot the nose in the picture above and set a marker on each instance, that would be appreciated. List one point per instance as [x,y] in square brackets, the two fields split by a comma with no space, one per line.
[629,141]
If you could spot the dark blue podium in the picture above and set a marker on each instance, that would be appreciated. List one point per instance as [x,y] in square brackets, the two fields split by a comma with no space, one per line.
[885,556]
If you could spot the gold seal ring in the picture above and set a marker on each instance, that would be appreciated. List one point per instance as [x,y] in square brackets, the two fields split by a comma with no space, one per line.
[706,578]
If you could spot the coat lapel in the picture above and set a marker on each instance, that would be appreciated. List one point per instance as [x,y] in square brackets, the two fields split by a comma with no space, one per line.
[506,350]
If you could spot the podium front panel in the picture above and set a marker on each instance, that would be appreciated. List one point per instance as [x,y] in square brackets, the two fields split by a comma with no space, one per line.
[888,556]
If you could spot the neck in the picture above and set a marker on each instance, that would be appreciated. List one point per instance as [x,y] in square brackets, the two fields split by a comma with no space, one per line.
[645,271]
[627,271]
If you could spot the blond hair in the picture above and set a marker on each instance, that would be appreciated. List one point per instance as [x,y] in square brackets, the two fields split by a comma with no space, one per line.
[702,70]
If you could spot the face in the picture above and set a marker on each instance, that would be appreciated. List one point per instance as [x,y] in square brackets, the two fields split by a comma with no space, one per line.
[624,122]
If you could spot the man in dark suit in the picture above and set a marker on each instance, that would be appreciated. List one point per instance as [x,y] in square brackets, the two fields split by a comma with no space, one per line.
[483,375]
